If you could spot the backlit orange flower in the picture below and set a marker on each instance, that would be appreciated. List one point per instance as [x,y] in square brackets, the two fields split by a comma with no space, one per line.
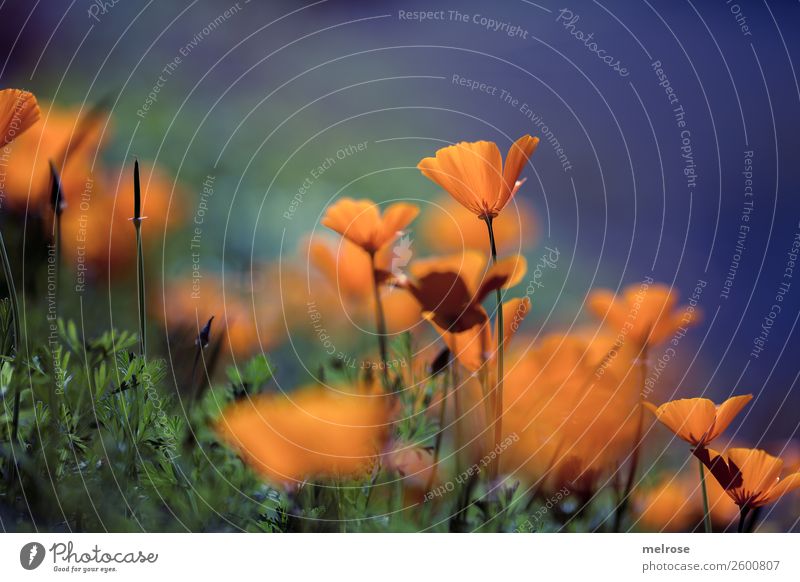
[474,174]
[698,421]
[645,313]
[313,432]
[450,290]
[361,222]
[449,227]
[751,477]
[18,111]
[416,468]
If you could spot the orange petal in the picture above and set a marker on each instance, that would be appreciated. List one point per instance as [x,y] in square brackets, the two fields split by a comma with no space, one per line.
[517,157]
[726,412]
[688,418]
[783,487]
[514,312]
[470,172]
[18,111]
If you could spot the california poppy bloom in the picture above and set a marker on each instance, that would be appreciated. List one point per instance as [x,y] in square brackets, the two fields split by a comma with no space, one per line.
[649,315]
[751,477]
[698,421]
[474,173]
[18,111]
[361,222]
[314,432]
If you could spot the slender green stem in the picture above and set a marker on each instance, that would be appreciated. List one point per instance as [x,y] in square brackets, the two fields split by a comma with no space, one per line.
[12,292]
[498,396]
[137,224]
[380,321]
[706,514]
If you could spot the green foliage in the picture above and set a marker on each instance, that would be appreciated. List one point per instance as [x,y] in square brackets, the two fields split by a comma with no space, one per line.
[104,444]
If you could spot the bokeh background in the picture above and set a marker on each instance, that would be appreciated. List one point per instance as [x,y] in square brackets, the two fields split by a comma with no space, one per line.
[265,92]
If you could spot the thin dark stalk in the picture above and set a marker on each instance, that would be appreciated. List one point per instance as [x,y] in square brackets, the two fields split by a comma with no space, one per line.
[706,515]
[58,204]
[498,395]
[380,321]
[137,224]
[622,506]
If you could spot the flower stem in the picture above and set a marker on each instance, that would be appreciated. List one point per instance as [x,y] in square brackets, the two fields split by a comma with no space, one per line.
[498,396]
[706,515]
[12,292]
[380,322]
[137,224]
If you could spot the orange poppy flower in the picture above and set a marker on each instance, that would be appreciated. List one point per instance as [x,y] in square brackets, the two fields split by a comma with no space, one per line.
[698,421]
[449,227]
[450,290]
[647,314]
[573,422]
[361,222]
[474,174]
[59,131]
[314,432]
[18,111]
[751,477]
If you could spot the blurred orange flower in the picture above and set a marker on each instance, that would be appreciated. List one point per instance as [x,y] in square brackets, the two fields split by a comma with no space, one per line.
[58,132]
[474,174]
[574,418]
[361,222]
[751,477]
[448,227]
[675,505]
[698,421]
[313,432]
[18,112]
[648,314]
[450,290]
